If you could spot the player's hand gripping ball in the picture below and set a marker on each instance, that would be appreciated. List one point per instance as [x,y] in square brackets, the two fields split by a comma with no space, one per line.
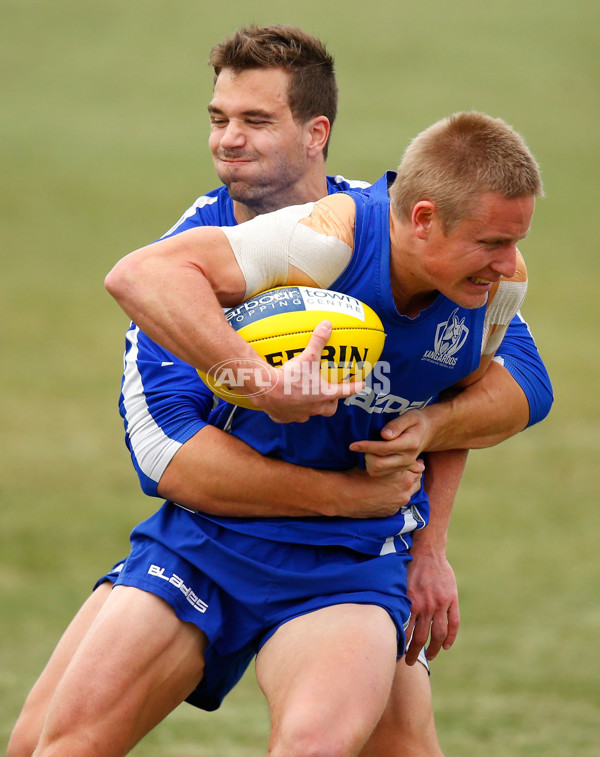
[278,324]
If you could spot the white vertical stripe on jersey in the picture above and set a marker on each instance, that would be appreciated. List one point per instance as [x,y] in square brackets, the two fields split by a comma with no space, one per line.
[152,448]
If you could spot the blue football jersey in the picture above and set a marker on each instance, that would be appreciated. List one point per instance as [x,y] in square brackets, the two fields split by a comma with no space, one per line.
[164,403]
[422,356]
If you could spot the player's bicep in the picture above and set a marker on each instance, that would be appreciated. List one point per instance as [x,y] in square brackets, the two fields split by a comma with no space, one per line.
[208,250]
[477,374]
[170,263]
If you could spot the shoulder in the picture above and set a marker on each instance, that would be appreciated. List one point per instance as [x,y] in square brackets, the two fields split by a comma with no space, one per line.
[334,216]
[210,209]
[507,295]
[521,272]
[340,184]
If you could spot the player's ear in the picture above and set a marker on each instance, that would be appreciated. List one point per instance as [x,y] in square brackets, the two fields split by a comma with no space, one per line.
[318,130]
[422,216]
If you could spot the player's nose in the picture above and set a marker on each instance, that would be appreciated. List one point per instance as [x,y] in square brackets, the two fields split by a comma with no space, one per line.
[233,136]
[506,262]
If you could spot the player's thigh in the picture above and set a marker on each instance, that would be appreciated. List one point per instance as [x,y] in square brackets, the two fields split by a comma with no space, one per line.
[27,729]
[137,662]
[327,677]
[407,726]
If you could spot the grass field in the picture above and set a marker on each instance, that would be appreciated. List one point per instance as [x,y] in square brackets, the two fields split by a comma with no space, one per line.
[104,145]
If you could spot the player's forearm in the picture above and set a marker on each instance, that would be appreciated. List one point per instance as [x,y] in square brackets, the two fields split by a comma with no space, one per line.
[218,474]
[483,414]
[443,473]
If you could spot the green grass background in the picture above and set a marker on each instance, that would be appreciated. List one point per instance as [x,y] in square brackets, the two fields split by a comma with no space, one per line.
[103,145]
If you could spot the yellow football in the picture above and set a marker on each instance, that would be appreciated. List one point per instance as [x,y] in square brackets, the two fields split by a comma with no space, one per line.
[278,324]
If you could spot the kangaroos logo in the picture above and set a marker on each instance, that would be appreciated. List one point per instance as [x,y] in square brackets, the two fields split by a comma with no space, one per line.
[450,336]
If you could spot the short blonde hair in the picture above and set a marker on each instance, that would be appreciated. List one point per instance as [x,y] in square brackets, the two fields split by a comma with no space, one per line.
[456,160]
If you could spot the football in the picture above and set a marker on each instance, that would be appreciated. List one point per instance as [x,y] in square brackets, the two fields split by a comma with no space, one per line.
[278,324]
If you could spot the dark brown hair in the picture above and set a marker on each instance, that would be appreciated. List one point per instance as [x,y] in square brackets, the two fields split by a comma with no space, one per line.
[312,88]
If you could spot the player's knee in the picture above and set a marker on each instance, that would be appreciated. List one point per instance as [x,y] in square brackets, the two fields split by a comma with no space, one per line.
[399,733]
[309,746]
[23,739]
[73,744]
[315,740]
[19,745]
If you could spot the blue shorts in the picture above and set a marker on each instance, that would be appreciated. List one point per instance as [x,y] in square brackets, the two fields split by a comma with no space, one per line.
[111,576]
[239,589]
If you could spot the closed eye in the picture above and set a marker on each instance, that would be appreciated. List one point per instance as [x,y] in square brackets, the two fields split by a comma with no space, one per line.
[494,244]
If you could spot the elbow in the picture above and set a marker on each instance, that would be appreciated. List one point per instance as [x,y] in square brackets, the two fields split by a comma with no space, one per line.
[118,279]
[126,283]
[111,282]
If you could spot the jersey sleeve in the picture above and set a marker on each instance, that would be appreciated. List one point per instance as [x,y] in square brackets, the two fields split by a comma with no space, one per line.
[519,355]
[163,403]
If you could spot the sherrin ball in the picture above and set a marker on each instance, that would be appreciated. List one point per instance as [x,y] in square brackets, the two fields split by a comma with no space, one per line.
[278,324]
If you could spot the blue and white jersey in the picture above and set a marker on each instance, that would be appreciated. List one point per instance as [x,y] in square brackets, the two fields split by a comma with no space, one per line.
[412,379]
[411,374]
[164,403]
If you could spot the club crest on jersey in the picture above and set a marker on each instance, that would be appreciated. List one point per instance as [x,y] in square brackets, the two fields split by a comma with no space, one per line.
[450,336]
